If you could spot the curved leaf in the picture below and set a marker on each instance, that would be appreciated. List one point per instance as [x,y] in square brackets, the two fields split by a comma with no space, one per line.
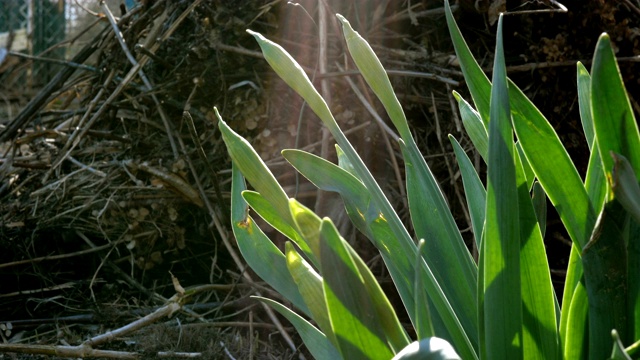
[258,251]
[351,310]
[615,126]
[475,192]
[476,80]
[474,126]
[317,343]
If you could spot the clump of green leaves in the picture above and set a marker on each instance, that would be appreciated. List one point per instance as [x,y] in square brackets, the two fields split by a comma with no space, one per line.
[503,307]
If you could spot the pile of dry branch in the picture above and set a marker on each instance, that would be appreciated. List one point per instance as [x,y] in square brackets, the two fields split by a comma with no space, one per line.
[113,176]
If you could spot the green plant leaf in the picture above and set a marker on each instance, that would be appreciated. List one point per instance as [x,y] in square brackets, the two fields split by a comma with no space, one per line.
[445,251]
[292,73]
[424,329]
[308,226]
[615,126]
[474,126]
[344,162]
[529,175]
[329,177]
[502,286]
[254,169]
[584,102]
[575,334]
[605,274]
[375,75]
[267,212]
[476,80]
[388,219]
[475,192]
[387,318]
[256,248]
[351,310]
[482,348]
[625,185]
[633,251]
[572,280]
[544,151]
[432,348]
[310,287]
[318,344]
[618,352]
[595,181]
[553,167]
[540,334]
[539,200]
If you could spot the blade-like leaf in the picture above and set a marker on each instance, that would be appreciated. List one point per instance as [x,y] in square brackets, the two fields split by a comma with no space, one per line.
[584,102]
[254,169]
[267,212]
[388,218]
[308,225]
[540,334]
[573,278]
[256,248]
[424,329]
[476,80]
[633,249]
[539,199]
[474,126]
[445,251]
[502,294]
[482,336]
[618,352]
[605,274]
[528,171]
[330,177]
[387,318]
[375,75]
[575,337]
[292,73]
[475,192]
[595,181]
[310,287]
[317,343]
[352,313]
[553,167]
[625,185]
[571,203]
[615,126]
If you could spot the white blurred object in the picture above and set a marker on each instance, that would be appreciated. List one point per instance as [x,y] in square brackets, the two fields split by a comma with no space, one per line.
[19,42]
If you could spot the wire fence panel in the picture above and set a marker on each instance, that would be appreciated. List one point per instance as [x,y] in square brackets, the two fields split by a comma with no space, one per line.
[33,27]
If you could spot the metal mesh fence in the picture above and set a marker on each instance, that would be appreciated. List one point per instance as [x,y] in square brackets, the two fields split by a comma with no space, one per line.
[33,27]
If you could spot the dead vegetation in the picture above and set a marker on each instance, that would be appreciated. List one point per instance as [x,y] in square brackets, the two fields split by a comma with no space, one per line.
[114,180]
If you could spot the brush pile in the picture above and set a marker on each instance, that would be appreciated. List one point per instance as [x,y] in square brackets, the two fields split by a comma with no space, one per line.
[112,176]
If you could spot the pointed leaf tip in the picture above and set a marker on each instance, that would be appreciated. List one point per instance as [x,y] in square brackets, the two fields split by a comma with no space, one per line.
[255,33]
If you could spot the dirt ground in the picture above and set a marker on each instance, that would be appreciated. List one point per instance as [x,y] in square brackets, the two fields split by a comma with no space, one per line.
[99,224]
